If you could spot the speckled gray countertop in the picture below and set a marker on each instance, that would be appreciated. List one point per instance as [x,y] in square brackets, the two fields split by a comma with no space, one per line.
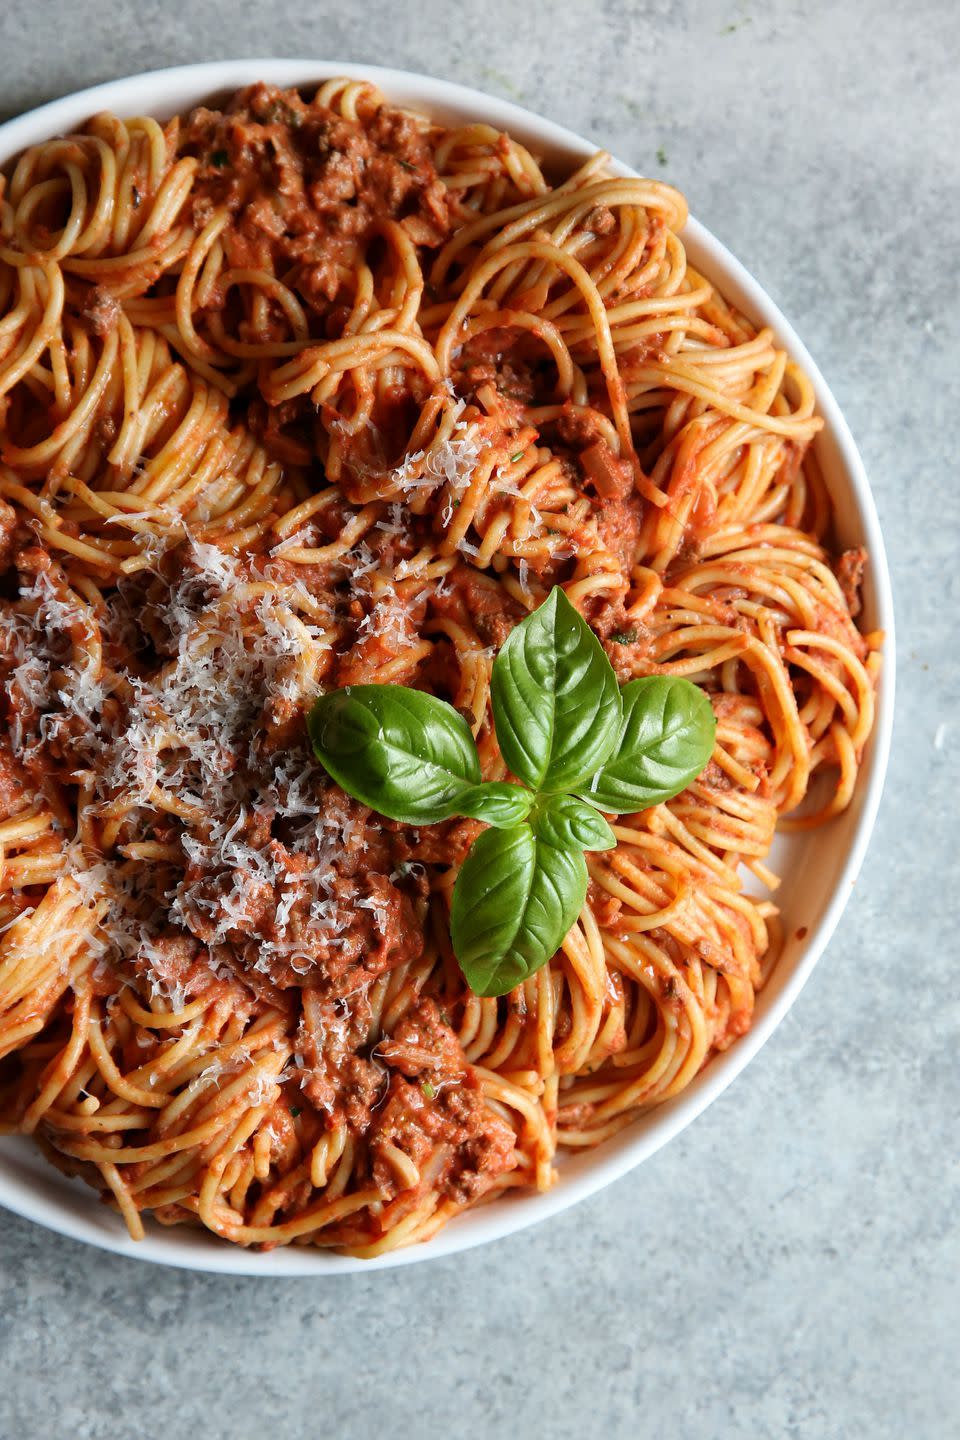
[788,1266]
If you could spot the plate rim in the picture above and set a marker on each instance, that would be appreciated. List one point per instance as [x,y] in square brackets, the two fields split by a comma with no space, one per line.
[192,1250]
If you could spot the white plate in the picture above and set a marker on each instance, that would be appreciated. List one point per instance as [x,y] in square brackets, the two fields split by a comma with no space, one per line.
[819,869]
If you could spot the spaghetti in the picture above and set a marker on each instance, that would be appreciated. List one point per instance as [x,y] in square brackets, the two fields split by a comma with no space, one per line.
[311,392]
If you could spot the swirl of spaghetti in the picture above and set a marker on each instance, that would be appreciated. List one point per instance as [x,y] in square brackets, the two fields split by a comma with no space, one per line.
[310,391]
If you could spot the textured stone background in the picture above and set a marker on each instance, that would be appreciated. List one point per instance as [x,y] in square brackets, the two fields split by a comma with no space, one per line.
[787,1268]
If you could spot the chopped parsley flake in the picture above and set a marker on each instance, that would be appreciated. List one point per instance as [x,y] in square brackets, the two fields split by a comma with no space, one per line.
[280,114]
[219,158]
[624,637]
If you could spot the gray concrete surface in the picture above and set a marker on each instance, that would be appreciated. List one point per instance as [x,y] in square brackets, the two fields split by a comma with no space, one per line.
[788,1267]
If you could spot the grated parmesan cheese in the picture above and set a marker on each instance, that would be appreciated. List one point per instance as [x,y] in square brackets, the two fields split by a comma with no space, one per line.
[452,461]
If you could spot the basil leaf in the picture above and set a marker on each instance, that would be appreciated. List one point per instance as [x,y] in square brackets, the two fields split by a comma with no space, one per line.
[556,703]
[665,741]
[497,802]
[400,751]
[571,824]
[514,901]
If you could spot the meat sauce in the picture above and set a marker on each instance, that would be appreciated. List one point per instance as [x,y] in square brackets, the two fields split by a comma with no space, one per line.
[375,928]
[434,1112]
[284,892]
[306,187]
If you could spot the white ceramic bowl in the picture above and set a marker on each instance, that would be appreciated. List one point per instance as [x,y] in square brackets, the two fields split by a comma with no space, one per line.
[819,869]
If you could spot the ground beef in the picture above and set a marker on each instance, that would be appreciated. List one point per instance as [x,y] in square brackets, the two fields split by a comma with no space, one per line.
[8,532]
[626,641]
[443,844]
[617,508]
[601,220]
[306,188]
[610,477]
[339,1081]
[100,311]
[177,962]
[606,908]
[16,790]
[619,523]
[435,1113]
[579,427]
[850,569]
[369,925]
[412,1091]
[471,599]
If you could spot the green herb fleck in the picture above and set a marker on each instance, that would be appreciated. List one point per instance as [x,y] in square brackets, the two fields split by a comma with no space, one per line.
[405,165]
[219,158]
[295,1111]
[515,458]
[662,156]
[429,1091]
[624,637]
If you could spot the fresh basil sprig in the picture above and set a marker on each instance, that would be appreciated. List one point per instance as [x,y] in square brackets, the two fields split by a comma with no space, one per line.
[577,742]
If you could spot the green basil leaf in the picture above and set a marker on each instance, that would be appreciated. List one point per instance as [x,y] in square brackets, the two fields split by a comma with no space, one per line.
[571,824]
[513,903]
[665,741]
[556,702]
[497,802]
[404,753]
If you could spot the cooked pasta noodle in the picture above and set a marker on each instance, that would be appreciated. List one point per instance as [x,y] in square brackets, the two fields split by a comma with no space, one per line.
[308,392]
